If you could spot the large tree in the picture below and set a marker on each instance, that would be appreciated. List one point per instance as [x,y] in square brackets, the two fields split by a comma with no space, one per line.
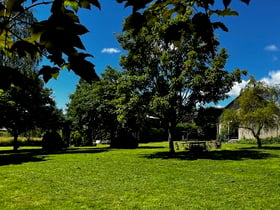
[257,109]
[176,77]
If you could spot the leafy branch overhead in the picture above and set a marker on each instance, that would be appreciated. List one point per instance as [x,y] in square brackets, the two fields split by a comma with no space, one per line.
[200,23]
[57,38]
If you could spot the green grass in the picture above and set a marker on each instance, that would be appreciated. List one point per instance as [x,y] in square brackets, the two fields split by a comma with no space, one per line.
[234,177]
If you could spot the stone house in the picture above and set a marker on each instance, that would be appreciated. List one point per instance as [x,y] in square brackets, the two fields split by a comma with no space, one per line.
[237,133]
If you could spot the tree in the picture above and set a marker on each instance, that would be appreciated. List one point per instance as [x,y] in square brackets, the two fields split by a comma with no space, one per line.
[200,21]
[92,109]
[173,79]
[257,109]
[22,110]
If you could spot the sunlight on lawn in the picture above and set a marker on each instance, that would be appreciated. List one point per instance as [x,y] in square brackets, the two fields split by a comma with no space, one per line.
[234,177]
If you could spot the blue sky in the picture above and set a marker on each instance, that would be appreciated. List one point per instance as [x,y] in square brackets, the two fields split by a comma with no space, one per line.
[253,42]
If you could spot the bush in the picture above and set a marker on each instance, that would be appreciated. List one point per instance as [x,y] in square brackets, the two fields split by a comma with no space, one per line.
[52,141]
[76,139]
[222,137]
[269,140]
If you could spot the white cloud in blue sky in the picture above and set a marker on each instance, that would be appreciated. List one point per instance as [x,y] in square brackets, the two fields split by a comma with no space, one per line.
[271,48]
[110,50]
[273,78]
[237,87]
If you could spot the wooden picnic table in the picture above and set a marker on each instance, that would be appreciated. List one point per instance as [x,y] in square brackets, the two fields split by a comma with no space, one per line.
[193,145]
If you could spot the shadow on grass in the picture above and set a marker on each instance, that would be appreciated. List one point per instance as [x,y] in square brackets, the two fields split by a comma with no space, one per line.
[264,147]
[9,157]
[213,155]
[150,147]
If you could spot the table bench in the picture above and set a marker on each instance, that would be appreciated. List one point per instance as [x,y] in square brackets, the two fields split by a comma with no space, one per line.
[194,145]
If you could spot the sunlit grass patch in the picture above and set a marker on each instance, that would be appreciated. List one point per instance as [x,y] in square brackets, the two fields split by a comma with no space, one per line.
[234,177]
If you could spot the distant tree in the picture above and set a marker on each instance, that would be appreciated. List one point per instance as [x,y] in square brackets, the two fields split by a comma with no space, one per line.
[171,79]
[22,110]
[92,109]
[257,109]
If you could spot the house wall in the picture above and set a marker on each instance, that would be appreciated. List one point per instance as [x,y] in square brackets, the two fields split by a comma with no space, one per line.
[245,133]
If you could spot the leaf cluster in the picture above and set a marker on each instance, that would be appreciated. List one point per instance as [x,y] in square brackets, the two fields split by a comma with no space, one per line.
[199,23]
[57,38]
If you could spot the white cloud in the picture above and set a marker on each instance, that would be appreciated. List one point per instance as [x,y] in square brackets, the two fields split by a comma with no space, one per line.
[271,47]
[110,50]
[237,87]
[273,78]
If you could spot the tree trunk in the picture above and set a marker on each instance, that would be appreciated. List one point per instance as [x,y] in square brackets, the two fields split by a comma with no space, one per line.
[170,138]
[15,142]
[257,136]
[259,141]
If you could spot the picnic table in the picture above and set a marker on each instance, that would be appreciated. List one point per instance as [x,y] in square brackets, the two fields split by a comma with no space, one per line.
[194,145]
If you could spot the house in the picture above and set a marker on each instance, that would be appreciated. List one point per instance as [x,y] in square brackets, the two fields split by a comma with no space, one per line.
[236,133]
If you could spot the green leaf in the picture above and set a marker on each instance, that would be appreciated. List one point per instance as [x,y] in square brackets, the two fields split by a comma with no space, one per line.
[80,29]
[220,25]
[84,4]
[49,72]
[134,22]
[25,48]
[174,32]
[73,4]
[82,67]
[225,12]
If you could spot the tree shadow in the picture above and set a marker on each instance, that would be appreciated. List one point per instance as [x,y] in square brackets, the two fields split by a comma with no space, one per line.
[14,158]
[239,155]
[78,150]
[264,148]
[150,147]
[9,157]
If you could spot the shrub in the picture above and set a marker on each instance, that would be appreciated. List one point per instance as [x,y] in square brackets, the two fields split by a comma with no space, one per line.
[76,138]
[269,140]
[52,141]
[222,137]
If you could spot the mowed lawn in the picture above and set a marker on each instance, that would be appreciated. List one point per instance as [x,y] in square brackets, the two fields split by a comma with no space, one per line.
[234,177]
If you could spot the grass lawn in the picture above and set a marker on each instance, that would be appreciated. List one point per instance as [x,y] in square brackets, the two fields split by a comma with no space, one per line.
[234,177]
